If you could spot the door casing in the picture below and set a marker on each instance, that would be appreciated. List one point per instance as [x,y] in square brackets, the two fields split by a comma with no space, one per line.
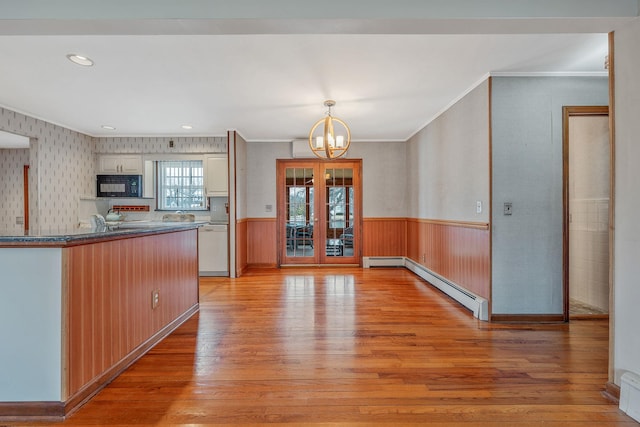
[567,112]
[319,166]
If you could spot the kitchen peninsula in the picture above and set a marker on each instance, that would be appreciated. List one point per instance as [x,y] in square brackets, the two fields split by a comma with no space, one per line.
[79,306]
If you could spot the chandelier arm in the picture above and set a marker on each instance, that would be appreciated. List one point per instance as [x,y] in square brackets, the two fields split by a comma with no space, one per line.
[328,136]
[315,150]
[347,143]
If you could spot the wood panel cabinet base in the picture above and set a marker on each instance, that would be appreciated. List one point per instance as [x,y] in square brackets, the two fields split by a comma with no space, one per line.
[58,411]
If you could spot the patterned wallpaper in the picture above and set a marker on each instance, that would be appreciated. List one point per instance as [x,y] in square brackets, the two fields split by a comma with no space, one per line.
[61,169]
[11,187]
[161,145]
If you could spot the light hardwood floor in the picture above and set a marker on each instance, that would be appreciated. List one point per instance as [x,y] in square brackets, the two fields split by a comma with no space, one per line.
[358,347]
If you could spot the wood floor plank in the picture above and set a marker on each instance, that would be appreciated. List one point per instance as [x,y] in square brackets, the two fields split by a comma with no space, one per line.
[357,347]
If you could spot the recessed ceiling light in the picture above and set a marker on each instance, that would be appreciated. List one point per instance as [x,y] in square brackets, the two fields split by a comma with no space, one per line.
[107,127]
[80,60]
[186,127]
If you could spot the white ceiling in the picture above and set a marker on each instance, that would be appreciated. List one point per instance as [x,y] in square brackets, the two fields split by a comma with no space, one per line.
[270,84]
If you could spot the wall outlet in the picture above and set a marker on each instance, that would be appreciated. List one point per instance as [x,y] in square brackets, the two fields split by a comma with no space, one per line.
[155,298]
[479,206]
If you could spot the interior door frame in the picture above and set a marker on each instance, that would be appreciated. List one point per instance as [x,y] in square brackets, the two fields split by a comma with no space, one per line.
[25,180]
[320,257]
[567,112]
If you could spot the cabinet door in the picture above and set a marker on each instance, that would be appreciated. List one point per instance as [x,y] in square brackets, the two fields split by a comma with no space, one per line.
[109,165]
[131,165]
[217,175]
[120,164]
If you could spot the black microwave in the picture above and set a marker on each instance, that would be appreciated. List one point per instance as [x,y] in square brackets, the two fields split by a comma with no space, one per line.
[119,186]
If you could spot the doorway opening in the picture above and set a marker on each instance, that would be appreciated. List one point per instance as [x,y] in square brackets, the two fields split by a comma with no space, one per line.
[319,212]
[587,182]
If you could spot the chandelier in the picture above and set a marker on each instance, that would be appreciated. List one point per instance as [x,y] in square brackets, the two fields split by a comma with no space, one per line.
[327,142]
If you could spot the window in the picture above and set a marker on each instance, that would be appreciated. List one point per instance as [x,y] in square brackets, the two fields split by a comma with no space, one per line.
[181,185]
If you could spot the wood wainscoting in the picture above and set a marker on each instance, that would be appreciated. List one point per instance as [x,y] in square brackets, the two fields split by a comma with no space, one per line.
[381,237]
[457,251]
[109,308]
[241,246]
[261,242]
[384,237]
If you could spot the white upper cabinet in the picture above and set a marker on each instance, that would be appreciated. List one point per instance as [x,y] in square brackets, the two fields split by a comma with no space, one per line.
[124,164]
[216,175]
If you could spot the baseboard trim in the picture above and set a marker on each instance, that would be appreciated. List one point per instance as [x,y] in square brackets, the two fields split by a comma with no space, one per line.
[258,265]
[241,271]
[612,392]
[31,411]
[528,318]
[91,389]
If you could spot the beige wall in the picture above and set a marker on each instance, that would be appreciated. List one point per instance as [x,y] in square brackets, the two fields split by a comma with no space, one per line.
[384,177]
[448,162]
[261,176]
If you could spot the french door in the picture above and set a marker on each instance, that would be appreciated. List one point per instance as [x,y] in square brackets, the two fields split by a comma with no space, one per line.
[319,212]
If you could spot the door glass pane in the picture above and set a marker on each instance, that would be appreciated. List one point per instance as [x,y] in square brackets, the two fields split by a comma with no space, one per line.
[339,212]
[299,211]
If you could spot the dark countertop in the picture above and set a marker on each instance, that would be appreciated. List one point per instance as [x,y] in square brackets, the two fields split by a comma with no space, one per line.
[78,236]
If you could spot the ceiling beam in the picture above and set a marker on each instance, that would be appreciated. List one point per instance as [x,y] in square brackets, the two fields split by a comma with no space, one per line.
[170,17]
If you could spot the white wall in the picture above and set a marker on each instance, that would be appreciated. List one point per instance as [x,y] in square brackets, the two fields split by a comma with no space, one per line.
[448,162]
[626,315]
[31,325]
[527,172]
[384,177]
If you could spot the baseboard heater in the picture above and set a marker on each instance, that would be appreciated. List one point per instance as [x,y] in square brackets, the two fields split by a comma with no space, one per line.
[630,395]
[478,305]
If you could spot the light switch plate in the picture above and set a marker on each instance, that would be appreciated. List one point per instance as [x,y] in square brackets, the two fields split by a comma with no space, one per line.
[478,206]
[508,208]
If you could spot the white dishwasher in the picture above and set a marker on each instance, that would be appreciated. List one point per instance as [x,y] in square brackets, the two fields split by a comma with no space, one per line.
[213,250]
